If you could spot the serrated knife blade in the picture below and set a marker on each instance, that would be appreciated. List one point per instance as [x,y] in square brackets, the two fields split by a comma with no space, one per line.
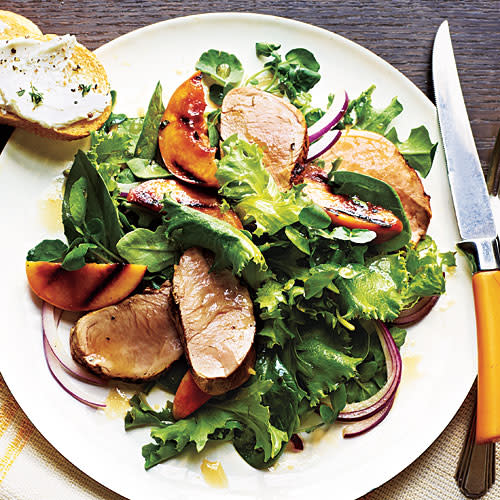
[468,187]
[476,226]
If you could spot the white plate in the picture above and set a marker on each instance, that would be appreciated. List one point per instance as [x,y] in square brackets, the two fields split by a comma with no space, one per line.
[439,356]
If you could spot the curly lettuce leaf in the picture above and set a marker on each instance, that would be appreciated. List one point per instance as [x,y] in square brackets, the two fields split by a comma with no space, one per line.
[244,412]
[374,291]
[246,182]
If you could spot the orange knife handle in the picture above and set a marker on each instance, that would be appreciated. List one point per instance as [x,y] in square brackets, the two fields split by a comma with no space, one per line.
[486,286]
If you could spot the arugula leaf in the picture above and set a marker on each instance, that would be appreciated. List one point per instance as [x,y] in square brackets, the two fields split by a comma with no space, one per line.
[379,193]
[48,251]
[418,150]
[149,248]
[75,258]
[148,139]
[232,248]
[222,67]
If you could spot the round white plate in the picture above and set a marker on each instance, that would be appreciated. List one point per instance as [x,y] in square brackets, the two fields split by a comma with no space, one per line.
[439,356]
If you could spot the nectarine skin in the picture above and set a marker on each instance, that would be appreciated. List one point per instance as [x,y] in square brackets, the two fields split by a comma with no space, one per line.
[188,398]
[183,137]
[86,289]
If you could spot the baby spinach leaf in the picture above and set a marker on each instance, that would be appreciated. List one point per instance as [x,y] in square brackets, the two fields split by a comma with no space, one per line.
[148,248]
[147,169]
[376,192]
[78,201]
[148,139]
[98,206]
[222,67]
[188,227]
[75,258]
[48,251]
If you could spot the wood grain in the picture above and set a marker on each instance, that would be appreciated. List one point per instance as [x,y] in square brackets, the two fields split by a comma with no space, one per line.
[399,31]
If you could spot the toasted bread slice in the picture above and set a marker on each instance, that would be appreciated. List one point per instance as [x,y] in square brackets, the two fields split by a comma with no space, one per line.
[16,25]
[89,66]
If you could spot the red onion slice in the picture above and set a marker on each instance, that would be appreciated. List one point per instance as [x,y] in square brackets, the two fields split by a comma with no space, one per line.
[358,428]
[90,395]
[332,116]
[323,144]
[51,317]
[364,409]
[419,311]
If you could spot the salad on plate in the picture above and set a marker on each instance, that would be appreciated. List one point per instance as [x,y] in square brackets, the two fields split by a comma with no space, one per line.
[248,252]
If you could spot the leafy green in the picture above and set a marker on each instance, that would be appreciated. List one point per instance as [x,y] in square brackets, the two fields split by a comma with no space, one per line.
[147,169]
[213,120]
[88,210]
[243,412]
[48,251]
[222,67]
[418,150]
[373,291]
[296,73]
[246,182]
[141,414]
[232,248]
[148,138]
[379,193]
[149,248]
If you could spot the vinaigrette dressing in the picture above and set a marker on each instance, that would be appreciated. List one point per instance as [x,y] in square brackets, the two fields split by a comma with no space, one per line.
[214,474]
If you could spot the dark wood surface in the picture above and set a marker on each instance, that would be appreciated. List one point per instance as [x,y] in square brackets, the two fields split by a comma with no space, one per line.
[399,31]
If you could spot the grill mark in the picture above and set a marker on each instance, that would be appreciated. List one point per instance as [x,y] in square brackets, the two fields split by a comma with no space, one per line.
[361,216]
[187,174]
[113,275]
[54,274]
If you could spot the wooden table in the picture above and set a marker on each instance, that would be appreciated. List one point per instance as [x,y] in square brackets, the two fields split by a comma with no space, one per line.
[401,32]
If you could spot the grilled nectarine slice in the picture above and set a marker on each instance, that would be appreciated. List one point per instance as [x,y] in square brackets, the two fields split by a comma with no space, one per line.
[150,194]
[183,137]
[188,397]
[350,212]
[91,287]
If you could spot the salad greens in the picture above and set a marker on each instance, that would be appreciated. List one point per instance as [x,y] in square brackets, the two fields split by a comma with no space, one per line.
[317,348]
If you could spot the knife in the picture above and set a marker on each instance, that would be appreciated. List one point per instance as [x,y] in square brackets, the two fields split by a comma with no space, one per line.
[477,229]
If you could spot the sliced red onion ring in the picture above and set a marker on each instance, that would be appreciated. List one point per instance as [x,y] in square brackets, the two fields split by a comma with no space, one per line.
[87,394]
[332,116]
[364,409]
[357,428]
[323,144]
[419,311]
[50,321]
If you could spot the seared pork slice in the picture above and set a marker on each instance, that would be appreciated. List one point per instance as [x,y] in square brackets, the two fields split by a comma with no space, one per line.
[372,154]
[134,340]
[271,122]
[215,315]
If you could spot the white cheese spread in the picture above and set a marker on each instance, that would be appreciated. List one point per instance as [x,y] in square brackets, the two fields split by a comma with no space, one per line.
[40,83]
[3,26]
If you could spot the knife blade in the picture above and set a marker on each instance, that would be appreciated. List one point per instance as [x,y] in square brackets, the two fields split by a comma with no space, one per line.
[477,228]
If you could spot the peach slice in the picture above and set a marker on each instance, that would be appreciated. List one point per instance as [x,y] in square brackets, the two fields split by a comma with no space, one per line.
[183,137]
[86,289]
[188,397]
